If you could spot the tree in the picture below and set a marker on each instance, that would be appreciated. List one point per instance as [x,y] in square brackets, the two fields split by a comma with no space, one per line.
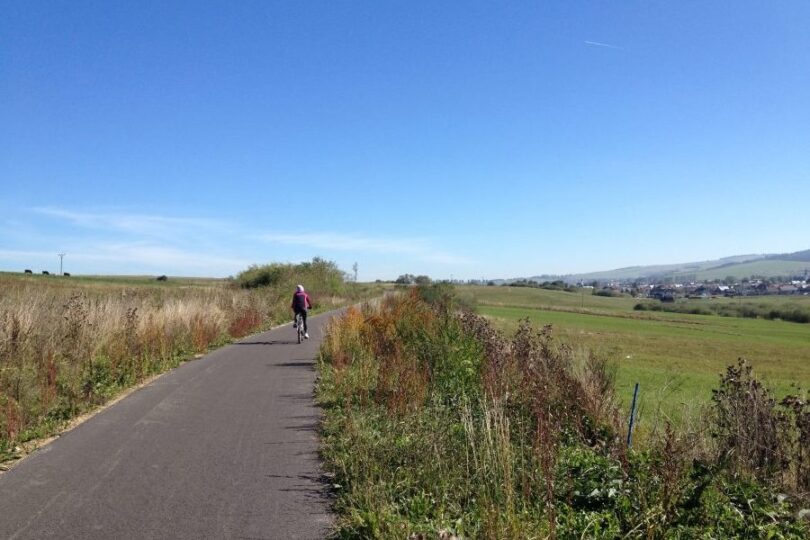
[405,279]
[422,280]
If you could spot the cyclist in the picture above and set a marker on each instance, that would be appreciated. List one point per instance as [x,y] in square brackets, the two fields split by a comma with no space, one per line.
[300,304]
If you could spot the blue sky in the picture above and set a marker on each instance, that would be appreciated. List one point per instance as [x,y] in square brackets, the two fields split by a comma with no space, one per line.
[468,139]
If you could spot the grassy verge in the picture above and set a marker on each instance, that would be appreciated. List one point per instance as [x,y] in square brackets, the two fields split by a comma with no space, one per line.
[438,426]
[69,346]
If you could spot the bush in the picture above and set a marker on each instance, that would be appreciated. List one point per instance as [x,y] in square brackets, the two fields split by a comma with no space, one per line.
[319,276]
[759,436]
[610,293]
[746,422]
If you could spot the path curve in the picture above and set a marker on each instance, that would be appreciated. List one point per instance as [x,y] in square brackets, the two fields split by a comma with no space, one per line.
[221,447]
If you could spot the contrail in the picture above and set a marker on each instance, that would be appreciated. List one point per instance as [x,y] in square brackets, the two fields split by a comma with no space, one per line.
[606,45]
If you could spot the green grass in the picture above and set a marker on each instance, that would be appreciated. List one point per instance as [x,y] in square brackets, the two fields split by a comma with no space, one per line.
[767,267]
[543,298]
[676,358]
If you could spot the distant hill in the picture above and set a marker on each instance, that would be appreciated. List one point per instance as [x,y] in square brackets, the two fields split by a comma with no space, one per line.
[798,256]
[738,266]
[764,267]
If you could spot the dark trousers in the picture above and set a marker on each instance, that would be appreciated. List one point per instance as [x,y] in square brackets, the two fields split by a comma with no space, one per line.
[303,313]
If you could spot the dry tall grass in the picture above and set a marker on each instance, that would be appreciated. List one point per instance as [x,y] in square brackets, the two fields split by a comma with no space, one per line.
[64,348]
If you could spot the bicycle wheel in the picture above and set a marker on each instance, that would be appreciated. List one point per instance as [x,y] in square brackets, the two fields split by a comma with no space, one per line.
[300,327]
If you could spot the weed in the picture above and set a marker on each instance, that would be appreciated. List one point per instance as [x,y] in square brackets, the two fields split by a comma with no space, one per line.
[746,422]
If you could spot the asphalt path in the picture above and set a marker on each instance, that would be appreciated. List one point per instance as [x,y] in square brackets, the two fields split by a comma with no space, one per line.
[221,447]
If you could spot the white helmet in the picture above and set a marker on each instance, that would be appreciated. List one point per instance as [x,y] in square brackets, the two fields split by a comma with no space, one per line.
[300,288]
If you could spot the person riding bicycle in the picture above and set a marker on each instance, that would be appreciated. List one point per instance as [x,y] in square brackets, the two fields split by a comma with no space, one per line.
[300,304]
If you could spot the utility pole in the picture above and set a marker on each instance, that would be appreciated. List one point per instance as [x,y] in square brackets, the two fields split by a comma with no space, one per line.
[61,258]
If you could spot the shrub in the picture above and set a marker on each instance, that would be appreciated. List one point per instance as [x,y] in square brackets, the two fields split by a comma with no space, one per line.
[610,293]
[319,276]
[796,439]
[746,422]
[759,436]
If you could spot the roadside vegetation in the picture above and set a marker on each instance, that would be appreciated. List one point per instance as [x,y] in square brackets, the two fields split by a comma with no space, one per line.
[437,425]
[70,344]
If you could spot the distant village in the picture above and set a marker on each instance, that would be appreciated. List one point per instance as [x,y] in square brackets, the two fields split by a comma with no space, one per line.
[707,289]
[668,289]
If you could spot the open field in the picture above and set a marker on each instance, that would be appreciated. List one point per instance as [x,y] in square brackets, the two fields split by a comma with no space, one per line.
[675,357]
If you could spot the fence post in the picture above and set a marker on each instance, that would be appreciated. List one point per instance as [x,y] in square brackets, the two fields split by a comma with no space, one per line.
[632,418]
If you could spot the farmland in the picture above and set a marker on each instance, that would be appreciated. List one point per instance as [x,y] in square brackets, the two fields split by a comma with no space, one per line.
[675,357]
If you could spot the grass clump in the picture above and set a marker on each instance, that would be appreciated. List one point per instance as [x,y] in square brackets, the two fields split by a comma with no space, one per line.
[437,425]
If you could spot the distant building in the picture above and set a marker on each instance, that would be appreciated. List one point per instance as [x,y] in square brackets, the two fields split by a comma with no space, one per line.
[787,289]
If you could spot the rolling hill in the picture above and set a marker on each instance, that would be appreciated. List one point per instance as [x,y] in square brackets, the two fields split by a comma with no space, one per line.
[738,266]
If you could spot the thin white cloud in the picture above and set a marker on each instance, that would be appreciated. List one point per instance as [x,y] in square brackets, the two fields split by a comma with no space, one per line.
[141,224]
[161,256]
[343,242]
[18,255]
[143,243]
[416,247]
[445,258]
[605,45]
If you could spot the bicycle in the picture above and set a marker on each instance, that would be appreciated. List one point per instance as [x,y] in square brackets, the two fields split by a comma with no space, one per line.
[299,326]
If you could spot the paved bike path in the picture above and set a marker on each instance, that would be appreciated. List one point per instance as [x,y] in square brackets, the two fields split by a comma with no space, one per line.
[221,447]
